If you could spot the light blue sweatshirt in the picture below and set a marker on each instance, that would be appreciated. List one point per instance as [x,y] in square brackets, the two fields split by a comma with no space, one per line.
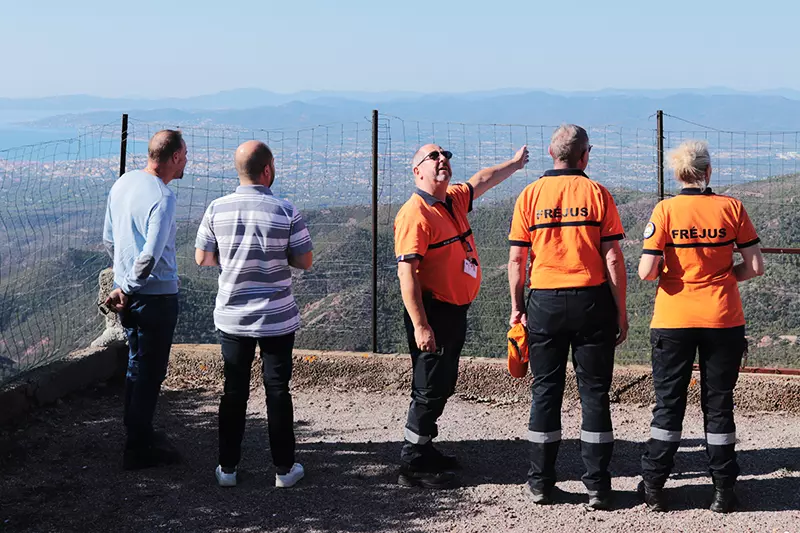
[139,234]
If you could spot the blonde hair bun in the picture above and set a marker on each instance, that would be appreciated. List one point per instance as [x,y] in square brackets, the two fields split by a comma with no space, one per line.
[690,161]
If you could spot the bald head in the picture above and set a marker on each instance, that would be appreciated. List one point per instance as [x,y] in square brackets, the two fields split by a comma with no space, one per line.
[431,167]
[163,145]
[423,152]
[251,159]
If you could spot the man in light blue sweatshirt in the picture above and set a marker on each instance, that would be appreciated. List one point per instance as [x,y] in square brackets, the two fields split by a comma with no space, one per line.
[139,234]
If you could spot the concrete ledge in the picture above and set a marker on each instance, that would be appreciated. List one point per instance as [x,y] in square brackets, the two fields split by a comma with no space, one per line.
[55,380]
[479,378]
[200,366]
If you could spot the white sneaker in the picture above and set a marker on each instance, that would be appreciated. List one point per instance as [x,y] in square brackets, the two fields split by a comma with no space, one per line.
[224,479]
[290,478]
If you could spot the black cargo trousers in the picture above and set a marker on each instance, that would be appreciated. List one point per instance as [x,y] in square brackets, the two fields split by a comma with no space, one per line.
[721,351]
[584,319]
[433,378]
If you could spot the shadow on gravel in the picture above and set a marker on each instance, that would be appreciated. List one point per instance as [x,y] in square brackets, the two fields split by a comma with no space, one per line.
[774,494]
[60,471]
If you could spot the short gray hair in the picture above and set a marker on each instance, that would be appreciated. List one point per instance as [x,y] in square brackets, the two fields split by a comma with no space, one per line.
[568,143]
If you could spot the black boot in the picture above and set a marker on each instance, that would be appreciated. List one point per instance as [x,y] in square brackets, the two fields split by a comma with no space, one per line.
[653,497]
[428,480]
[436,460]
[724,501]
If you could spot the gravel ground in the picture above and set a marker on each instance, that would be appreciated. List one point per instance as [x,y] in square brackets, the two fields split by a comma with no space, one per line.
[61,471]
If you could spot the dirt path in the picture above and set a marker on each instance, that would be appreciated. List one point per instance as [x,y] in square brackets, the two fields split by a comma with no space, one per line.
[61,471]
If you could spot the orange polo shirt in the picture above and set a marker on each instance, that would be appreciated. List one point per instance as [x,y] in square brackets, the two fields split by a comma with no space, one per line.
[563,217]
[438,234]
[696,231]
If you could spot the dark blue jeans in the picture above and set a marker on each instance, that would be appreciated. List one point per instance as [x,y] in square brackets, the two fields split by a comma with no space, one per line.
[149,323]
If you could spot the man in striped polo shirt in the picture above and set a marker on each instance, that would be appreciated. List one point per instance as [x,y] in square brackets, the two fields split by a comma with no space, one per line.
[255,237]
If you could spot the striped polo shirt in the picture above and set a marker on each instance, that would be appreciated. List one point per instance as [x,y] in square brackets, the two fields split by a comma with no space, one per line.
[254,234]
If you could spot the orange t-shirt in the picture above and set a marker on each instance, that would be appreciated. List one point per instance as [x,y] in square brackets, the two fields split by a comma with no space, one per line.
[438,234]
[695,231]
[563,217]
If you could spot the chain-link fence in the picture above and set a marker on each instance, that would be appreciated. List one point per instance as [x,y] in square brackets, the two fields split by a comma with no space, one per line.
[325,172]
[52,199]
[52,203]
[622,159]
[763,170]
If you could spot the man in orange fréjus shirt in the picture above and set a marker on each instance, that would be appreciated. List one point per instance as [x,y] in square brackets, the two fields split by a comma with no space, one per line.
[570,228]
[440,274]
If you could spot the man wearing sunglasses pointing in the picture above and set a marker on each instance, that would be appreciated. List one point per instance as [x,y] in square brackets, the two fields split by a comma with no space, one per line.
[440,275]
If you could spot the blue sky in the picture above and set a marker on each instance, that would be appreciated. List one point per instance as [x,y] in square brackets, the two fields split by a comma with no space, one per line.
[181,48]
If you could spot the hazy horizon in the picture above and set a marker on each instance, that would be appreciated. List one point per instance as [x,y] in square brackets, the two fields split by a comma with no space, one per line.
[709,90]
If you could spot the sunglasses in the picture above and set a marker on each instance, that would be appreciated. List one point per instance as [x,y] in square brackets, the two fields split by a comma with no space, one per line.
[436,154]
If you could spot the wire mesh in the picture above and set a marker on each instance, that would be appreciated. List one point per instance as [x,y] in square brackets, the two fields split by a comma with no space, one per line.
[622,159]
[52,203]
[762,169]
[325,172]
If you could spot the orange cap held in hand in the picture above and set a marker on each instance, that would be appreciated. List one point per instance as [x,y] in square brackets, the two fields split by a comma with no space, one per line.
[518,351]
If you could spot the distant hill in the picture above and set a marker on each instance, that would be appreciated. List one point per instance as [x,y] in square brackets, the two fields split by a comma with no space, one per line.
[255,109]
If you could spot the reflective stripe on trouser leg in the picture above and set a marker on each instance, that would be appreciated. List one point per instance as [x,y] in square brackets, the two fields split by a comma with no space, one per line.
[659,456]
[720,439]
[541,437]
[722,464]
[665,435]
[595,437]
[433,378]
[720,356]
[413,438]
[597,448]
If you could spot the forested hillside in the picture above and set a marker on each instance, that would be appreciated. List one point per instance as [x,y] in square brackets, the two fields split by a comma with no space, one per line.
[56,310]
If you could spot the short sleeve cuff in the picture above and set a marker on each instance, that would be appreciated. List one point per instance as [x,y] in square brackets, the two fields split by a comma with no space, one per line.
[616,237]
[471,196]
[651,252]
[206,246]
[748,243]
[405,258]
[522,244]
[301,248]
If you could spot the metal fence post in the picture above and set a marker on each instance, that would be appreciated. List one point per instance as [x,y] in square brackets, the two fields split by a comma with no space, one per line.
[123,144]
[660,140]
[374,231]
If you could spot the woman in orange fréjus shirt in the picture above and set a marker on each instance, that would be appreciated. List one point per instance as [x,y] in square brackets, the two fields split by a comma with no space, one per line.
[689,247]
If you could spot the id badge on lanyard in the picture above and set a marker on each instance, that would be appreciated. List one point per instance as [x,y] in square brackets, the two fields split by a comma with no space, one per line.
[470,268]
[470,263]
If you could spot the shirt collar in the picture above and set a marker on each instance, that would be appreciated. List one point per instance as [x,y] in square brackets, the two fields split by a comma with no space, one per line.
[253,189]
[429,198]
[566,172]
[693,191]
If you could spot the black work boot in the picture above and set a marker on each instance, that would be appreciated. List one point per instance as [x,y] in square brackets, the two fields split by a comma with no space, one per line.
[427,480]
[439,461]
[724,501]
[653,497]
